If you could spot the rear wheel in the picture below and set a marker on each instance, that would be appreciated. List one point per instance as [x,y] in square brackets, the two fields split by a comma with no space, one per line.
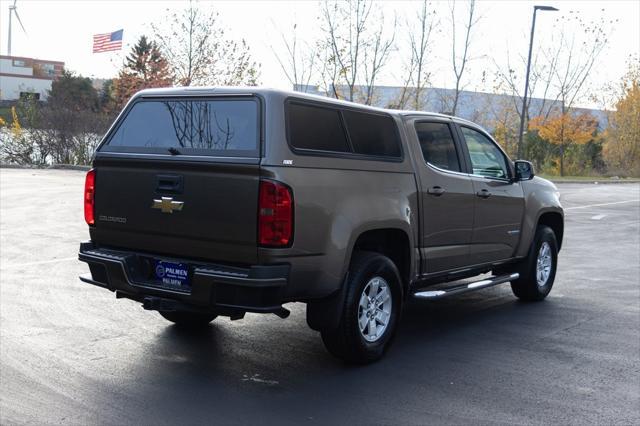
[188,319]
[371,310]
[538,270]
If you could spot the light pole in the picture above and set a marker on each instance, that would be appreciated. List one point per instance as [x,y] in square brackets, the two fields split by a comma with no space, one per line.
[526,79]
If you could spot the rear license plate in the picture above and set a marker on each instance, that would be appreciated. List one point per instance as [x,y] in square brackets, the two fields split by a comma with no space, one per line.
[174,275]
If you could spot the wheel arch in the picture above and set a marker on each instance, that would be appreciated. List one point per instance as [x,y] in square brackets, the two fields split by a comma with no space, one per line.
[393,243]
[555,221]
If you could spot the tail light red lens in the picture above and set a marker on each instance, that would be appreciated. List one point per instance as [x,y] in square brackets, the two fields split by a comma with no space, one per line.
[275,214]
[89,196]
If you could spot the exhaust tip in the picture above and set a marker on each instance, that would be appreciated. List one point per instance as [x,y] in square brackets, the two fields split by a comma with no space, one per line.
[282,312]
[147,304]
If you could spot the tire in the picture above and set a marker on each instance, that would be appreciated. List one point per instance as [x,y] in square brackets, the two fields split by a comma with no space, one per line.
[188,319]
[535,283]
[362,336]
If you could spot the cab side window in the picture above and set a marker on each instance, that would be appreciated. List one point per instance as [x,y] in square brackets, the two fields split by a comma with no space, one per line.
[486,158]
[438,148]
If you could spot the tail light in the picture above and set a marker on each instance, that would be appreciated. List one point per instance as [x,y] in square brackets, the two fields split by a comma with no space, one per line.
[275,214]
[89,196]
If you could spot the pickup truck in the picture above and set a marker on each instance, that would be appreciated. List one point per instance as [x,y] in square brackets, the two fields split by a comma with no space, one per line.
[206,202]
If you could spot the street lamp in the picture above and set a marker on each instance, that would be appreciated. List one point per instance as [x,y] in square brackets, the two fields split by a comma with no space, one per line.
[526,80]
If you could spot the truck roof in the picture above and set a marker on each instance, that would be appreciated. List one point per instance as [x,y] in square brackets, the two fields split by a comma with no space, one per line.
[270,93]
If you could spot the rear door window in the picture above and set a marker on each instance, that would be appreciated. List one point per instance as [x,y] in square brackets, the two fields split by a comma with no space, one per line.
[216,127]
[316,128]
[438,147]
[372,134]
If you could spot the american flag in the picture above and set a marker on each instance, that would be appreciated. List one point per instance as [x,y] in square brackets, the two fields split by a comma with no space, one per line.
[107,42]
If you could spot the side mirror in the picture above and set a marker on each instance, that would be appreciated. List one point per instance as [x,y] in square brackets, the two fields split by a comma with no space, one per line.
[524,170]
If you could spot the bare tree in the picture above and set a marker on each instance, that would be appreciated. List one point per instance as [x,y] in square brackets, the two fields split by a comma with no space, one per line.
[345,26]
[503,118]
[559,71]
[329,73]
[575,58]
[375,57]
[298,65]
[541,76]
[199,52]
[460,62]
[417,76]
[573,55]
[354,54]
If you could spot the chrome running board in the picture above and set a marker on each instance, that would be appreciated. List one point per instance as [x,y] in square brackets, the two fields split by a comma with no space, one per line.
[465,288]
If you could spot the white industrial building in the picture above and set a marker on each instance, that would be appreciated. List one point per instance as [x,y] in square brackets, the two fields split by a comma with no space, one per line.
[20,77]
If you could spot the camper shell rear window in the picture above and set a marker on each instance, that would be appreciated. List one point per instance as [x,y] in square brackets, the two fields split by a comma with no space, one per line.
[221,127]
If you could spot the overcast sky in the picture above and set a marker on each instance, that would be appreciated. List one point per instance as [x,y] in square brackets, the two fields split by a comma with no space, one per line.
[62,30]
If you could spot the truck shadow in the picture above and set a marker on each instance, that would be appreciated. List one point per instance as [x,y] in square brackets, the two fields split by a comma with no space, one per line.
[264,363]
[259,341]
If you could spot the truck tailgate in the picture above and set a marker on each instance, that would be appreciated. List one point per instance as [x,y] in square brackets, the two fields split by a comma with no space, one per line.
[191,209]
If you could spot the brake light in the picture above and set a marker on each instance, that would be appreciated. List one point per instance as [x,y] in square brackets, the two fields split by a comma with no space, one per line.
[275,214]
[89,196]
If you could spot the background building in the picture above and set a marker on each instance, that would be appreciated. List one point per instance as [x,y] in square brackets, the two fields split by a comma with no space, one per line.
[21,76]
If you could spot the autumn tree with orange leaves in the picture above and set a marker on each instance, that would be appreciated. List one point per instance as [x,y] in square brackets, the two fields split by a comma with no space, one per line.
[564,130]
[622,138]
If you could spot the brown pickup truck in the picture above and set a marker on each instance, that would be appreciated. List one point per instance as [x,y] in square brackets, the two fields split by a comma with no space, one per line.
[206,202]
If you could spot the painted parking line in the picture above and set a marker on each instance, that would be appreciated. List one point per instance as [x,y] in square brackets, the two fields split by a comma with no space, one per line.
[40,262]
[602,204]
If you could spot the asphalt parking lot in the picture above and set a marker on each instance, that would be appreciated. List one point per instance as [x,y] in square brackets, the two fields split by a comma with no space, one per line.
[71,353]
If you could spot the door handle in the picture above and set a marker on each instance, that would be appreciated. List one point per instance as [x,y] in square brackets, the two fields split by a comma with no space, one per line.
[436,190]
[483,193]
[169,183]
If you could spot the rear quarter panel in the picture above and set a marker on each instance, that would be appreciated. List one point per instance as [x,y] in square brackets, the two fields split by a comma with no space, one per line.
[336,199]
[332,208]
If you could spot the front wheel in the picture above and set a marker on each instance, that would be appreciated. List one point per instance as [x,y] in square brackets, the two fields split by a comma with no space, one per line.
[538,270]
[371,310]
[188,319]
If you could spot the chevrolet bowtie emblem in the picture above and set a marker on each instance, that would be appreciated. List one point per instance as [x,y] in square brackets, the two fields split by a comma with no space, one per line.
[167,205]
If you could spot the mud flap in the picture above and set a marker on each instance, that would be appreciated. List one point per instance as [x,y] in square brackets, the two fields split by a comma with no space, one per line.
[325,314]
